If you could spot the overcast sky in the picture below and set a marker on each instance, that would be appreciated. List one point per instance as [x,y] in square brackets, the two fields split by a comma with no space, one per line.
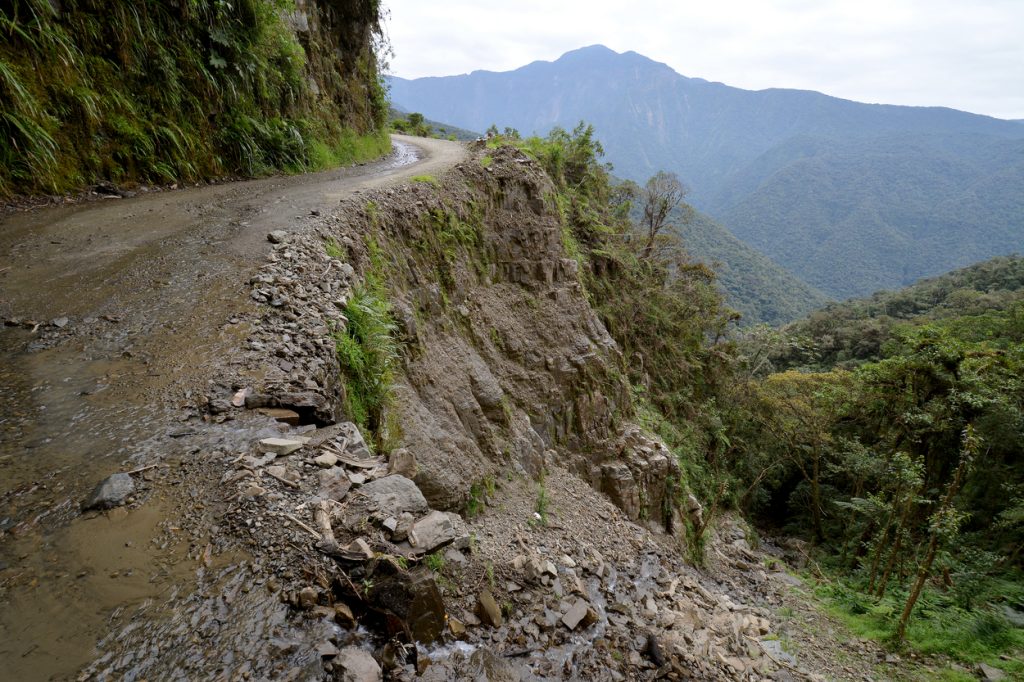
[966,54]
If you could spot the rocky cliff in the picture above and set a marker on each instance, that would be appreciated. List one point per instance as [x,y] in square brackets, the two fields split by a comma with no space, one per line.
[504,367]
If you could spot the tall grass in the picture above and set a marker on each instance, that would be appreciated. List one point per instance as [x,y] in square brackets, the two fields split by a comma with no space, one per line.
[367,352]
[156,92]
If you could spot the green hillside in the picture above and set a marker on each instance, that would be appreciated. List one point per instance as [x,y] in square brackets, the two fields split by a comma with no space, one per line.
[856,215]
[983,302]
[754,285]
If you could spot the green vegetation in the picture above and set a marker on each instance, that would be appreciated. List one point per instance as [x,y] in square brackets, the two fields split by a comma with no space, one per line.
[983,302]
[367,352]
[163,92]
[541,508]
[941,626]
[435,562]
[754,285]
[480,494]
[415,124]
[426,179]
[906,469]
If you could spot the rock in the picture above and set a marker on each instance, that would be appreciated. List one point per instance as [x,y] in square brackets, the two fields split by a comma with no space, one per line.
[774,648]
[357,478]
[991,674]
[537,568]
[282,446]
[112,492]
[219,406]
[402,528]
[356,665]
[290,417]
[334,484]
[327,650]
[457,627]
[326,460]
[436,530]
[360,547]
[277,237]
[307,597]
[402,462]
[488,610]
[60,322]
[487,666]
[238,399]
[578,613]
[308,403]
[254,491]
[356,445]
[343,615]
[410,600]
[394,495]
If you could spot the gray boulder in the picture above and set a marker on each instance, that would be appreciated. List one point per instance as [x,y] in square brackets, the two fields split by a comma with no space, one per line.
[438,529]
[112,492]
[355,665]
[393,495]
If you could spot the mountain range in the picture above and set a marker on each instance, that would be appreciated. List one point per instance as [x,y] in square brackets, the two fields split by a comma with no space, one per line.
[849,197]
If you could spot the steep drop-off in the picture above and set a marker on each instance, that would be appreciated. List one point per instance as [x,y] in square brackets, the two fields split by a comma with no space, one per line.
[144,92]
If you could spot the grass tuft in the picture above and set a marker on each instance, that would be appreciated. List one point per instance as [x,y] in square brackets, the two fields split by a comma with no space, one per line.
[367,353]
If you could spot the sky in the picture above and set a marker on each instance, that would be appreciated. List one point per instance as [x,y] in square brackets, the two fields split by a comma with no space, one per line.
[965,54]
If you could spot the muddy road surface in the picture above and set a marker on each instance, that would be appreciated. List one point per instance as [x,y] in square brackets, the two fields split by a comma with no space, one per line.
[115,314]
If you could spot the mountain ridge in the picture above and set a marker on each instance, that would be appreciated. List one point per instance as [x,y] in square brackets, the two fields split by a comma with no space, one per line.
[750,157]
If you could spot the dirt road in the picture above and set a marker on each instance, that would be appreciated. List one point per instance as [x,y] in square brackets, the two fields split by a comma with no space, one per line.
[116,313]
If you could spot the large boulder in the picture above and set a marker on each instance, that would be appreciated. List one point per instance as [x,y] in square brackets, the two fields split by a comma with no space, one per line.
[393,495]
[112,492]
[353,664]
[410,602]
[437,529]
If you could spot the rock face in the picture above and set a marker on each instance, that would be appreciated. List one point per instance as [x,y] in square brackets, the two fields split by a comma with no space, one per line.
[112,492]
[507,367]
[512,364]
[640,479]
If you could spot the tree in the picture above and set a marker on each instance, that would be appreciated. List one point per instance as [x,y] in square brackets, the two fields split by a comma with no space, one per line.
[944,525]
[662,194]
[418,125]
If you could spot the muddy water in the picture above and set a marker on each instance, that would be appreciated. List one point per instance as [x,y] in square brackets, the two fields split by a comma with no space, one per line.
[154,290]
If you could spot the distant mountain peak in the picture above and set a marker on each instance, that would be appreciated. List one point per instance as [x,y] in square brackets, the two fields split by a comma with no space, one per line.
[601,55]
[590,50]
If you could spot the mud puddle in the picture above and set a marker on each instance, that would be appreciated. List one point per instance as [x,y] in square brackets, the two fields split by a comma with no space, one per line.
[68,585]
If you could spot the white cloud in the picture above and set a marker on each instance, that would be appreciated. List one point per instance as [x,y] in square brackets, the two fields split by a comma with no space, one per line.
[966,55]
